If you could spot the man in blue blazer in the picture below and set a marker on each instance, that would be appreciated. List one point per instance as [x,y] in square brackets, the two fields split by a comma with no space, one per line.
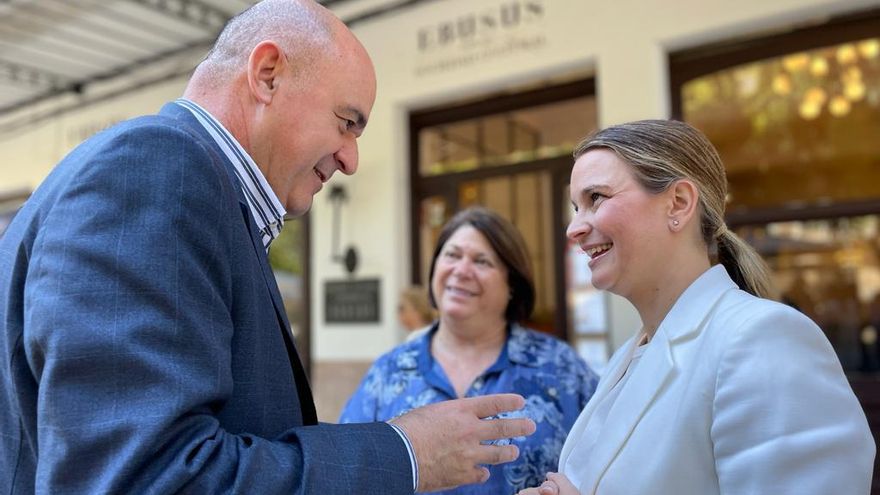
[145,348]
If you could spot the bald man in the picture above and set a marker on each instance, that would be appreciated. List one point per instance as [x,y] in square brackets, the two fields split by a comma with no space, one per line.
[145,348]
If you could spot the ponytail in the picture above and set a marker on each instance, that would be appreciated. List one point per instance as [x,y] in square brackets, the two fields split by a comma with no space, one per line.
[744,265]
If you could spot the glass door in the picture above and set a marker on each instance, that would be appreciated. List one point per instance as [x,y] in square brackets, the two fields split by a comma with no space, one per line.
[511,154]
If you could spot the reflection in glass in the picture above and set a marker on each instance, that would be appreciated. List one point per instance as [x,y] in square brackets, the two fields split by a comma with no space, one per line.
[434,213]
[544,131]
[830,270]
[795,130]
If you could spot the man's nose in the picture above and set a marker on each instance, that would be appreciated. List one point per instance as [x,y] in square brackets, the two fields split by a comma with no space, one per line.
[347,156]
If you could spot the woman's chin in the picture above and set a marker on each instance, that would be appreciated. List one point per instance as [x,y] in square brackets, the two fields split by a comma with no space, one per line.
[599,282]
[455,314]
[603,283]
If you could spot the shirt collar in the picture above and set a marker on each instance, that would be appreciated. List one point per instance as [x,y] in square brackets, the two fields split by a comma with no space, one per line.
[520,348]
[266,210]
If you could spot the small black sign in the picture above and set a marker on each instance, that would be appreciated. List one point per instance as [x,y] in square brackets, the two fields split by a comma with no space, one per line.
[351,301]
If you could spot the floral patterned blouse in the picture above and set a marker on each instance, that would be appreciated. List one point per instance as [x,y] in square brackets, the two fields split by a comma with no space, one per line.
[555,382]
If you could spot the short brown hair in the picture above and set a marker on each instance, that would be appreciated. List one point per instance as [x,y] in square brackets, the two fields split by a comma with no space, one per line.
[510,247]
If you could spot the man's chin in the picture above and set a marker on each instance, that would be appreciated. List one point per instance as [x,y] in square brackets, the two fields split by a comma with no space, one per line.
[298,209]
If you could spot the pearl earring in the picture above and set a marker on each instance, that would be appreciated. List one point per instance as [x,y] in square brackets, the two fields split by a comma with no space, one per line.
[675,223]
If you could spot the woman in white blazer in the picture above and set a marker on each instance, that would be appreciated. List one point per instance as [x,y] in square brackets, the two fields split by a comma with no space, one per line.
[722,391]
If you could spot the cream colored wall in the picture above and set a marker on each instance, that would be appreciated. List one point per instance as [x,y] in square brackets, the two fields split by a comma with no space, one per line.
[624,43]
[29,155]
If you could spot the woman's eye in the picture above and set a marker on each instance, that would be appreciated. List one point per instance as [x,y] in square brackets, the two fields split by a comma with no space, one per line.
[596,197]
[488,263]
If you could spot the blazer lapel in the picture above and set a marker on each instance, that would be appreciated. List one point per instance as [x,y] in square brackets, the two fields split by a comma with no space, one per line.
[655,370]
[265,268]
[304,392]
[613,372]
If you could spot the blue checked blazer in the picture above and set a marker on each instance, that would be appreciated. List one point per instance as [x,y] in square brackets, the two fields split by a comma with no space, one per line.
[143,342]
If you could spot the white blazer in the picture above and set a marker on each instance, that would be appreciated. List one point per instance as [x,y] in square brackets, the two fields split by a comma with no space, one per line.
[734,395]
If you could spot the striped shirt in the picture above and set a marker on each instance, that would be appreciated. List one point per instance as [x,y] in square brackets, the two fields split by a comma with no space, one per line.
[267,210]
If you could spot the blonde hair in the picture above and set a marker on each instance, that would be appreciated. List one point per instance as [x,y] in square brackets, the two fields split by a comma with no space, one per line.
[662,152]
[417,297]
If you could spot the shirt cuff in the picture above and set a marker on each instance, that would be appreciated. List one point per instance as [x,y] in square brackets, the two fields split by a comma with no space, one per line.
[412,454]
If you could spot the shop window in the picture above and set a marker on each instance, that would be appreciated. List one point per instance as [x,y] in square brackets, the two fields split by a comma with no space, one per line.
[796,119]
[510,153]
[796,129]
[829,270]
[544,131]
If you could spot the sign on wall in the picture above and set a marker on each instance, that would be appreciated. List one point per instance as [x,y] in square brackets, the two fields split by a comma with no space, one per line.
[477,36]
[351,301]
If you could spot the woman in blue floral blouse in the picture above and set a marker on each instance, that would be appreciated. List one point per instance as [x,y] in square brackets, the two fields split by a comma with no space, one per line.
[482,286]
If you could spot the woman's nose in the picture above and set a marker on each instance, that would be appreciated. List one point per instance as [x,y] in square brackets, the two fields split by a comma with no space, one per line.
[577,228]
[462,268]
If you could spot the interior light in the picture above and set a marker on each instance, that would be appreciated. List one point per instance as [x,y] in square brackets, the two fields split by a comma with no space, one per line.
[846,54]
[781,84]
[839,106]
[816,95]
[854,90]
[869,48]
[795,62]
[809,110]
[819,67]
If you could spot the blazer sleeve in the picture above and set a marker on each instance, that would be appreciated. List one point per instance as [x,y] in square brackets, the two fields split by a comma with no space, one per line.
[128,335]
[785,417]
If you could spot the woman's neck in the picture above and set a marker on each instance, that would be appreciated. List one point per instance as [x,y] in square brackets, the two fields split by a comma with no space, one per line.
[655,300]
[466,351]
[471,336]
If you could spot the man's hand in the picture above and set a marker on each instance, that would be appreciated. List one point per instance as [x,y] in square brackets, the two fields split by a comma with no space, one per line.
[447,438]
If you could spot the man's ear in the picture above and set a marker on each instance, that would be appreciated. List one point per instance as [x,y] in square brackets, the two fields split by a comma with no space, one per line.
[684,200]
[265,67]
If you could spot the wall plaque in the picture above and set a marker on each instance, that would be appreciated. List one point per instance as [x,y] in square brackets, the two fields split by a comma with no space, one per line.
[351,301]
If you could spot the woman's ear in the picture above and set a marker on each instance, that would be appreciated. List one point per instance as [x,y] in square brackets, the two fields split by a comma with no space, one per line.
[265,68]
[684,200]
